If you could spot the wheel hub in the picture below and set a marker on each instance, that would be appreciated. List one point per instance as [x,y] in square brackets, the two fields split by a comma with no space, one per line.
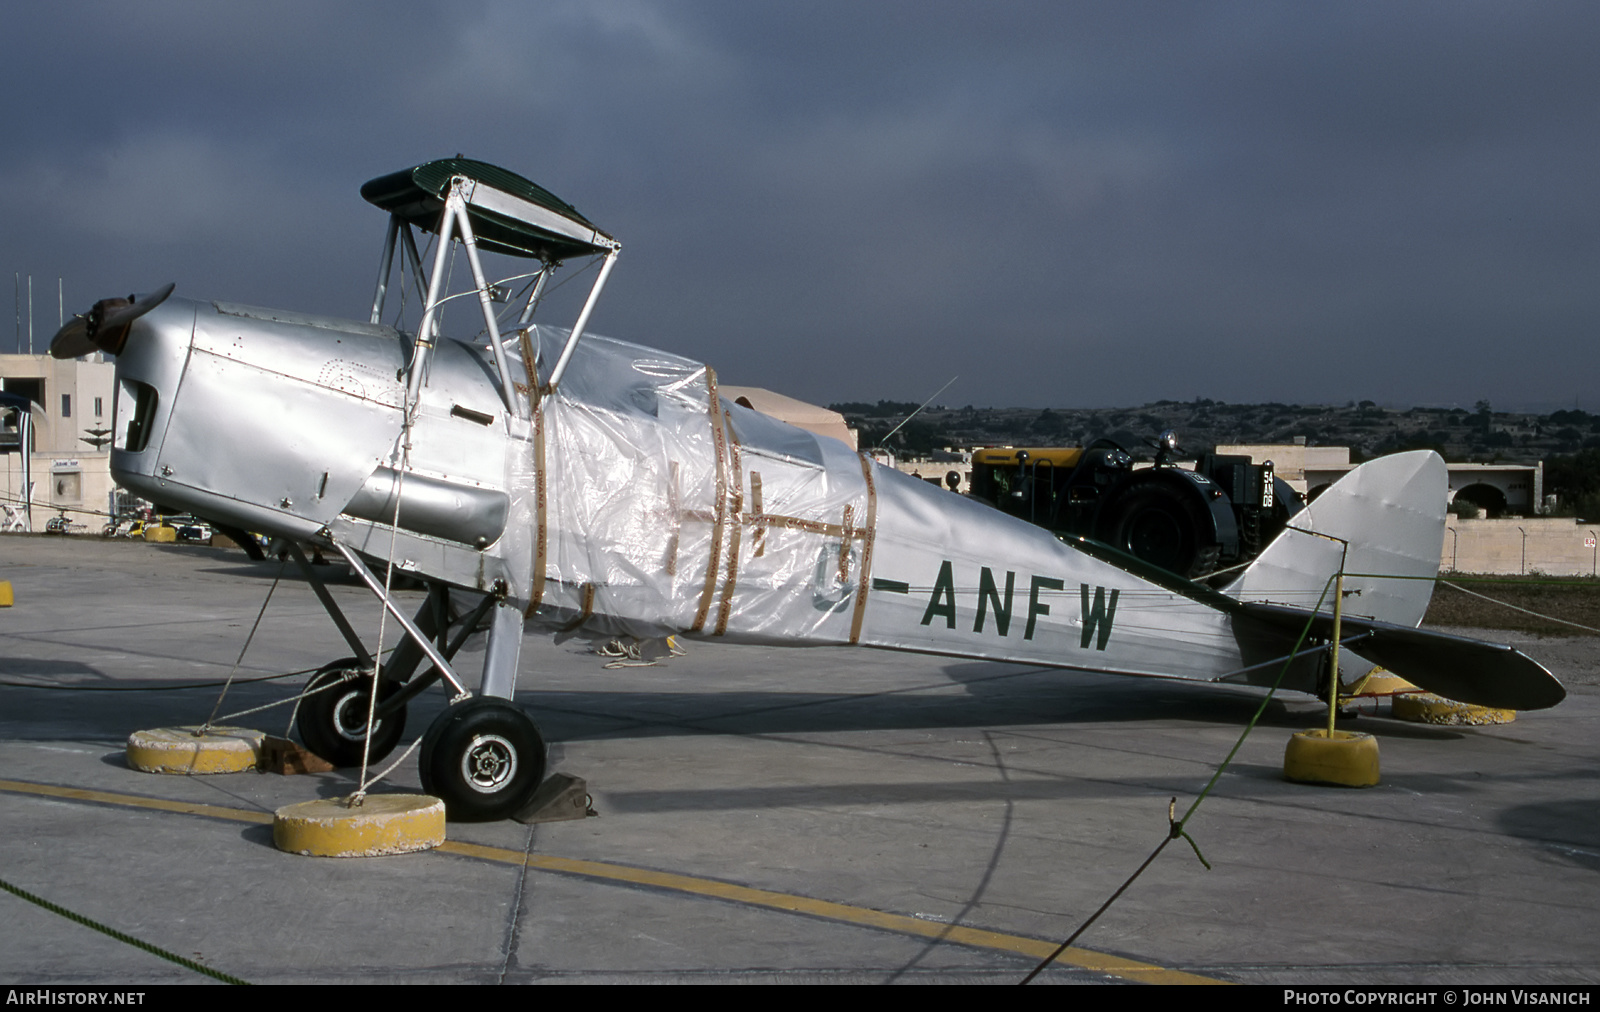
[1155,537]
[489,763]
[350,716]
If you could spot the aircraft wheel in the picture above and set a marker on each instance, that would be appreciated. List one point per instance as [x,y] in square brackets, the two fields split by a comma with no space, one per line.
[1162,524]
[333,723]
[484,758]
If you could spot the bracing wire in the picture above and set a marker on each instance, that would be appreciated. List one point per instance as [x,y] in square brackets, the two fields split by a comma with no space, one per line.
[242,650]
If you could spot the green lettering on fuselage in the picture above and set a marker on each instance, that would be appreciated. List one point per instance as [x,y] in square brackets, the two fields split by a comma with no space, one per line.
[1099,617]
[943,599]
[1098,614]
[1035,609]
[987,593]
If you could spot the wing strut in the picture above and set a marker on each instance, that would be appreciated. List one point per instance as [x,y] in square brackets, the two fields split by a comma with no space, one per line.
[465,197]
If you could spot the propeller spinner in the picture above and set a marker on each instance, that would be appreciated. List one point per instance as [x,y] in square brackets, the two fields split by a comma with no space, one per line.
[105,327]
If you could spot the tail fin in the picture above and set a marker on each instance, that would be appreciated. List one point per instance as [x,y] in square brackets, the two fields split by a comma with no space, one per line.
[1383,519]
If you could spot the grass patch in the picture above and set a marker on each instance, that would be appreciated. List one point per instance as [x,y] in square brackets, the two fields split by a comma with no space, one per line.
[1575,599]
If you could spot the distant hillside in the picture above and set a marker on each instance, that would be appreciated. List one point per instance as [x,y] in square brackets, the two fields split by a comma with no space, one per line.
[1481,434]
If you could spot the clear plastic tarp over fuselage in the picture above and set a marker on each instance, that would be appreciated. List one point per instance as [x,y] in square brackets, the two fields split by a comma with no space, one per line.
[669,510]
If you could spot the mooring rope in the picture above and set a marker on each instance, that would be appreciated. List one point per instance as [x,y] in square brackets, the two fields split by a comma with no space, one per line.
[242,650]
[1525,611]
[126,939]
[1176,827]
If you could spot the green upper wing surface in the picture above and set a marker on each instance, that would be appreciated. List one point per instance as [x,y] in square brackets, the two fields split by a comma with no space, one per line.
[509,214]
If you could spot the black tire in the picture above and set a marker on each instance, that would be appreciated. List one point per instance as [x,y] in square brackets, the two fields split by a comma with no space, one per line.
[333,723]
[483,758]
[1165,524]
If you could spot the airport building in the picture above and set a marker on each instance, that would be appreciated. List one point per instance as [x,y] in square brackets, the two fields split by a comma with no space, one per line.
[58,458]
[1497,489]
[810,417]
[1496,524]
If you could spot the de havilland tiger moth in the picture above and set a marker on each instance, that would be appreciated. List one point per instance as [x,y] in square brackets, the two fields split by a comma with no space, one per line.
[538,478]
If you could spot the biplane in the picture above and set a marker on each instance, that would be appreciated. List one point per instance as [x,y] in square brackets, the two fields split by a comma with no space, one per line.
[541,478]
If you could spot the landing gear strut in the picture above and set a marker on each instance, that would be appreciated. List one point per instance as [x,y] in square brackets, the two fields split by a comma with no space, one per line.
[483,757]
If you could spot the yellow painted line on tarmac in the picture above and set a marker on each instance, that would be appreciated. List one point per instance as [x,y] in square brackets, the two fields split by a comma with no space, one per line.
[1086,959]
[1083,959]
[136,801]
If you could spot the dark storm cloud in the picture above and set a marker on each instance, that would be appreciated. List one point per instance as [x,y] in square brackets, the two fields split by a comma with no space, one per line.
[1066,204]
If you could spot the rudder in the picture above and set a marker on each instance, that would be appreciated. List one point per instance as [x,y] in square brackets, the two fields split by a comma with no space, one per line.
[1390,512]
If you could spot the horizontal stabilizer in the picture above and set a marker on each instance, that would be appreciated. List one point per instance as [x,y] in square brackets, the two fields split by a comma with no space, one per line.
[1465,670]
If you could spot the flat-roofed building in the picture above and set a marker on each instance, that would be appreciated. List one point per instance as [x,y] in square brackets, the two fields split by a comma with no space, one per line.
[1499,489]
[71,407]
[810,417]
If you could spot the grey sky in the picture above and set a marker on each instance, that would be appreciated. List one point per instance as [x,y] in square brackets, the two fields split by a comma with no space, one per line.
[1067,204]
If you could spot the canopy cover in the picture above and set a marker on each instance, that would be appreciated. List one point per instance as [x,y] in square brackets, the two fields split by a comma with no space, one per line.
[509,214]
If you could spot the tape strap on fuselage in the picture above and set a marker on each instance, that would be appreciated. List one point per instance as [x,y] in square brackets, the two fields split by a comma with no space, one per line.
[868,535]
[719,506]
[540,522]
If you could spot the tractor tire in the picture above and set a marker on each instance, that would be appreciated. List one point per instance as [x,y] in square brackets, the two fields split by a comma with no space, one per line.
[1163,523]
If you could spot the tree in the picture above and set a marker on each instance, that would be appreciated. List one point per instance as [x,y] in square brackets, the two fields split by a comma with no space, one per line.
[1575,481]
[1049,423]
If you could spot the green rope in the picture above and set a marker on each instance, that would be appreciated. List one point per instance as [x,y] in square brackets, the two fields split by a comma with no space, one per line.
[1293,656]
[171,957]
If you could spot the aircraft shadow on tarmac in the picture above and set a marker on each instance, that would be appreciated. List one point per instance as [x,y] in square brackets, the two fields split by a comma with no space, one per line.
[1569,830]
[995,700]
[333,574]
[46,671]
[77,708]
[995,695]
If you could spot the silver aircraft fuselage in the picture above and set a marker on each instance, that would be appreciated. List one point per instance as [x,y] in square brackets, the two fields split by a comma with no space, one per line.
[281,422]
